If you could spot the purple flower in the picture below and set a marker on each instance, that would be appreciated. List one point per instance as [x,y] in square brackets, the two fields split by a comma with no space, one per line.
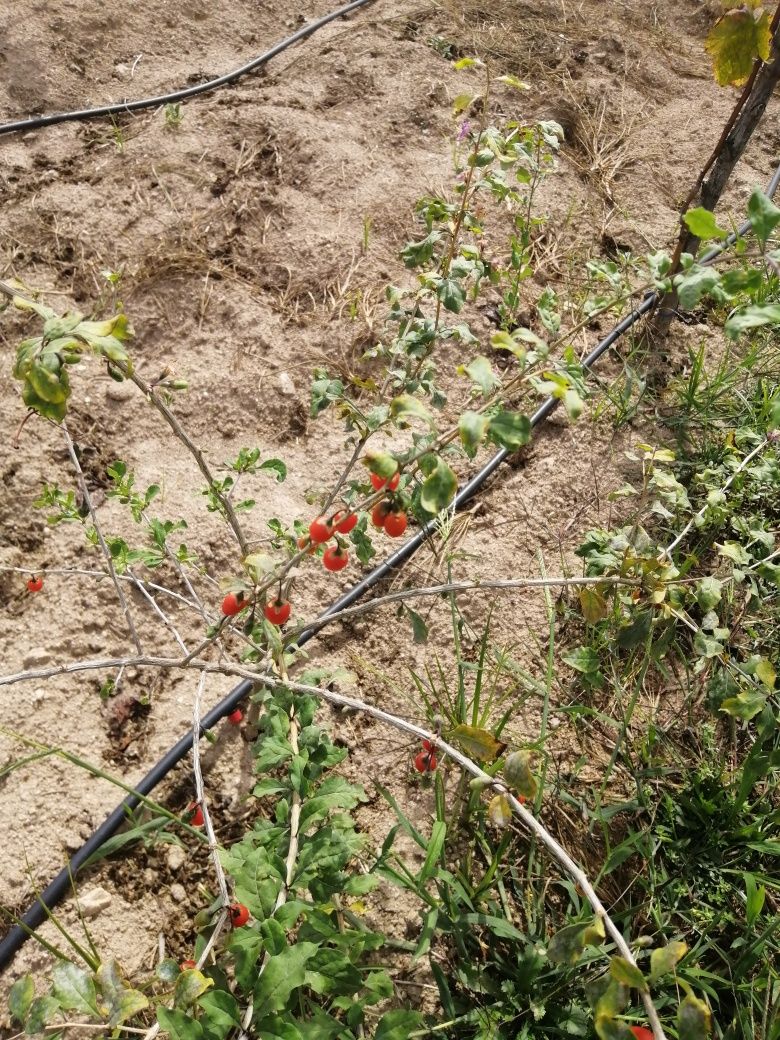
[463,133]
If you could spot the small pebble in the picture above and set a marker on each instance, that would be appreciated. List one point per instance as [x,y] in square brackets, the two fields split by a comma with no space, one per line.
[285,385]
[178,892]
[94,902]
[175,857]
[120,392]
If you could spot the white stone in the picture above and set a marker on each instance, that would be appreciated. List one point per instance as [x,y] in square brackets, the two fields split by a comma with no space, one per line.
[285,385]
[94,902]
[178,892]
[175,857]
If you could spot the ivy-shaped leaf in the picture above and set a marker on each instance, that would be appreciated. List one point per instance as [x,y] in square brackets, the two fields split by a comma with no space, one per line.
[735,41]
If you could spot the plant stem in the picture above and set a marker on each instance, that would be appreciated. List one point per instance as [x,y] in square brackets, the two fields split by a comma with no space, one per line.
[101,540]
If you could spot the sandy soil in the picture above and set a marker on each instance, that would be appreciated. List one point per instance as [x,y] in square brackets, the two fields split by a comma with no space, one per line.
[239,239]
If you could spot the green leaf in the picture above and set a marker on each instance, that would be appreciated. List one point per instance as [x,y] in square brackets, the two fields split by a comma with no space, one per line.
[435,845]
[332,973]
[415,254]
[179,1025]
[438,489]
[419,628]
[190,984]
[708,593]
[694,284]
[461,103]
[42,1011]
[478,743]
[566,945]
[480,371]
[637,631]
[625,972]
[764,215]
[21,997]
[283,974]
[735,41]
[754,899]
[583,659]
[221,1014]
[746,705]
[752,318]
[701,222]
[277,467]
[694,1020]
[123,1001]
[472,428]
[408,407]
[665,959]
[398,1024]
[381,463]
[452,294]
[74,989]
[510,430]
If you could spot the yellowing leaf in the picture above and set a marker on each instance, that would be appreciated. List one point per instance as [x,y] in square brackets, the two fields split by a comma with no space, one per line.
[593,604]
[766,673]
[499,810]
[694,1020]
[736,40]
[478,743]
[665,959]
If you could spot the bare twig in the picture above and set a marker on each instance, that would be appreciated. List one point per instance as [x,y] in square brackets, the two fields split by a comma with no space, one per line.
[101,540]
[194,450]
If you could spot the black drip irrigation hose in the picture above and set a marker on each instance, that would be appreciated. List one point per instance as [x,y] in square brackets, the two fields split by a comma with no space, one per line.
[36,122]
[62,883]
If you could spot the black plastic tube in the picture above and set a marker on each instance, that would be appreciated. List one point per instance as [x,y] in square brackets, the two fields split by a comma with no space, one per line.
[36,122]
[61,885]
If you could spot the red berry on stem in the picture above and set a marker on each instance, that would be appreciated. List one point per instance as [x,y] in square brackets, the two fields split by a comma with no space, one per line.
[320,530]
[428,745]
[395,524]
[346,525]
[187,965]
[239,915]
[379,483]
[425,762]
[642,1032]
[379,514]
[236,716]
[231,604]
[335,558]
[277,612]
[34,584]
[196,815]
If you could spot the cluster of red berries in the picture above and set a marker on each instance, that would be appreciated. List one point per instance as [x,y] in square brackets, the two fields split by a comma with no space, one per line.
[34,584]
[425,760]
[384,515]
